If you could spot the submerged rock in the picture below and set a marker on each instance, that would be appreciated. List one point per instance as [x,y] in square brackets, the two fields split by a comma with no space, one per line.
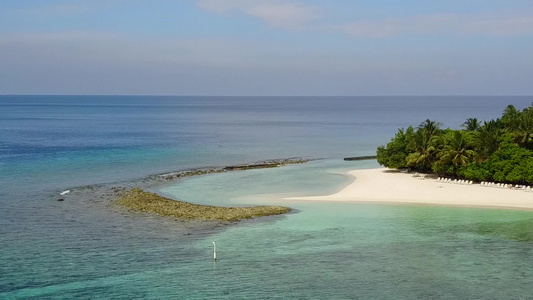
[360,157]
[139,200]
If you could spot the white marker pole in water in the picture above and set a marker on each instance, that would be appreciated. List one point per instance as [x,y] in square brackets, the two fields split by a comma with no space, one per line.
[214,251]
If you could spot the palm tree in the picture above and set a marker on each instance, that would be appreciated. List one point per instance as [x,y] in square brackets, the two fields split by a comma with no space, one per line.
[520,124]
[524,129]
[424,148]
[431,127]
[510,117]
[471,124]
[424,140]
[457,150]
[488,139]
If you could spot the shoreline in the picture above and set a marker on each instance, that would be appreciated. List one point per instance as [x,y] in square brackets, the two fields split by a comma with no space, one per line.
[381,185]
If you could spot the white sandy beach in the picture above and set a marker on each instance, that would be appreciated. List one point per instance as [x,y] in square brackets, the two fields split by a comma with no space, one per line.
[391,186]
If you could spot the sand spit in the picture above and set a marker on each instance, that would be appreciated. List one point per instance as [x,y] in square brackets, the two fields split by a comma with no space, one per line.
[392,186]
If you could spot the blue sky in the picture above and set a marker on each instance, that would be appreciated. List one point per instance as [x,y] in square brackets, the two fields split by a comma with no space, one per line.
[266,47]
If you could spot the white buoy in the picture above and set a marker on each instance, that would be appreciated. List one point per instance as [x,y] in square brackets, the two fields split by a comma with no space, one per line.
[214,251]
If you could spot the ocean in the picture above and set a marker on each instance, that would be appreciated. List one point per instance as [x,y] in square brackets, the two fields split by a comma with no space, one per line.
[86,248]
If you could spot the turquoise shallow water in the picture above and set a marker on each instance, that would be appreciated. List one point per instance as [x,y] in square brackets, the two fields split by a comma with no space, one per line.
[253,187]
[350,251]
[84,248]
[353,250]
[321,250]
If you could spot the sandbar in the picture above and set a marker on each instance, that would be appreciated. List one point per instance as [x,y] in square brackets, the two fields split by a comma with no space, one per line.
[392,186]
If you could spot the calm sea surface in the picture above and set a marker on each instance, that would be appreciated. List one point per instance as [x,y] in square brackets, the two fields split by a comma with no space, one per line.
[86,248]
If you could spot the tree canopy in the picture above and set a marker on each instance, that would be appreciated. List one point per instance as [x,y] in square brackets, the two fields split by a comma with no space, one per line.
[499,150]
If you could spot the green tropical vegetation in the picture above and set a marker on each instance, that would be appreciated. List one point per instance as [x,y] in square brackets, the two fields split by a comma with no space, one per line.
[499,150]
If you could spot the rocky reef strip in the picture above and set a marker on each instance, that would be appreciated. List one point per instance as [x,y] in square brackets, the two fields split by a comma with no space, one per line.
[368,157]
[142,201]
[112,194]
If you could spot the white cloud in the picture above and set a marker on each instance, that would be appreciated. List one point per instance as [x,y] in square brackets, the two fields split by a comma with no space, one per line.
[292,15]
[495,24]
[299,15]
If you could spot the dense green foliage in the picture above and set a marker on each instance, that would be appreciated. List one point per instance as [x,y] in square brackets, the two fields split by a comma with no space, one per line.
[498,150]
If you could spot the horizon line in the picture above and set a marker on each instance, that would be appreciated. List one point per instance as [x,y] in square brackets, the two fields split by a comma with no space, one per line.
[272,96]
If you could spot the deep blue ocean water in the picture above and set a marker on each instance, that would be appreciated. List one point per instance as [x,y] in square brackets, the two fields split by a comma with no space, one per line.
[86,249]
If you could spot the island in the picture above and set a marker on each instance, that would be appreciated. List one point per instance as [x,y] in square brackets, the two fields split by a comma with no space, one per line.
[497,151]
[484,164]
